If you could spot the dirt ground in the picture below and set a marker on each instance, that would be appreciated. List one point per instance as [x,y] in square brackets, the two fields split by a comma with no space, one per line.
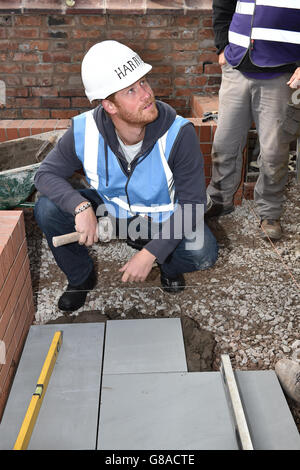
[246,306]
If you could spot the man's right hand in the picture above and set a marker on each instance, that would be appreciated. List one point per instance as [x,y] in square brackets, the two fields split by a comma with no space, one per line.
[86,225]
[222,60]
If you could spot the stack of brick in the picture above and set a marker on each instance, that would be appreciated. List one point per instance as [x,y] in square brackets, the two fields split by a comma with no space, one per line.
[16,297]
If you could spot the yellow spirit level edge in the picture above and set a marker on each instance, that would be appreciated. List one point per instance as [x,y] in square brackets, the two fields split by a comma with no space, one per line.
[33,409]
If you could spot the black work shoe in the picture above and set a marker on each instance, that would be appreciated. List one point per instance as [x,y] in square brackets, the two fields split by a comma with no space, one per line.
[172,285]
[217,210]
[74,296]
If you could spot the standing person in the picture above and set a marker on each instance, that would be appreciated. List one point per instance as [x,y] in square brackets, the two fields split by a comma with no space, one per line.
[144,166]
[258,43]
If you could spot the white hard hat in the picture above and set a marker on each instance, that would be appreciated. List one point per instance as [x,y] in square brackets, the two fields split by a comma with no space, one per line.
[110,66]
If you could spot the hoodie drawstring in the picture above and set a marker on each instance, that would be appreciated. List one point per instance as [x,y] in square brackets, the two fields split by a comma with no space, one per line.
[106,164]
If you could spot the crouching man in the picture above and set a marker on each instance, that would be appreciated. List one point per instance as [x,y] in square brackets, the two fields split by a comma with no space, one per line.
[142,162]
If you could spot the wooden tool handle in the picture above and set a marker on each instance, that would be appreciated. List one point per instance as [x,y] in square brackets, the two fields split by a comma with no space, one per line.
[65,239]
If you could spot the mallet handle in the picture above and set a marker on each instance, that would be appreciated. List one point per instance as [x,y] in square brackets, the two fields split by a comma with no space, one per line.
[65,239]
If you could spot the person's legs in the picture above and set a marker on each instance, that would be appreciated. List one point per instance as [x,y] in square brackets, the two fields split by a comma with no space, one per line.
[189,257]
[269,101]
[73,259]
[234,121]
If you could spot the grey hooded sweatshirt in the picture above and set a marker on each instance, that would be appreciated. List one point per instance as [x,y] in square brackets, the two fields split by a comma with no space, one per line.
[185,162]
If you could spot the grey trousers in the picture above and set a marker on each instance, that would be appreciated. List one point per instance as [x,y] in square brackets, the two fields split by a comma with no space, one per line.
[242,101]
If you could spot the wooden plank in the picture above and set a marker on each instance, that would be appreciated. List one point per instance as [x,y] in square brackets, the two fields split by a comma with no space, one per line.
[235,404]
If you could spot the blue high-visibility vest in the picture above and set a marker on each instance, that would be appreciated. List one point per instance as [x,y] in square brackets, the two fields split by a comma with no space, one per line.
[148,189]
[269,29]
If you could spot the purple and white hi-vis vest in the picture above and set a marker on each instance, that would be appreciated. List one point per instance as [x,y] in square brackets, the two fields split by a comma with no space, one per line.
[270,29]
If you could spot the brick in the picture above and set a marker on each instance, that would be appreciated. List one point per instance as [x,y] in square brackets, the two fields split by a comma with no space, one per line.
[35,113]
[12,133]
[186,46]
[44,91]
[4,371]
[39,45]
[63,114]
[2,278]
[69,68]
[184,92]
[4,46]
[24,130]
[80,102]
[207,160]
[72,92]
[29,80]
[183,56]
[63,124]
[56,57]
[207,170]
[25,57]
[11,68]
[27,33]
[49,125]
[2,135]
[56,102]
[205,133]
[152,21]
[38,68]
[3,33]
[6,290]
[163,34]
[202,104]
[17,299]
[185,21]
[10,323]
[44,81]
[27,20]
[8,251]
[85,34]
[93,20]
[28,102]
[205,148]
[17,91]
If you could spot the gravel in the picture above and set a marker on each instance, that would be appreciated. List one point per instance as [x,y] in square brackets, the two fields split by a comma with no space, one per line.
[249,300]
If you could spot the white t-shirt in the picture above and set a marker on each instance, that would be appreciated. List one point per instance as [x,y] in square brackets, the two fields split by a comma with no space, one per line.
[130,151]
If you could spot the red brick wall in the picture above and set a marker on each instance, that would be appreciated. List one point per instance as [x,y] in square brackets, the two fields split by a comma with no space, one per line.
[16,298]
[42,46]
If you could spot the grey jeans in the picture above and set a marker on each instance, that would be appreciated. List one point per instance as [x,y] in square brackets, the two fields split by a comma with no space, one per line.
[242,101]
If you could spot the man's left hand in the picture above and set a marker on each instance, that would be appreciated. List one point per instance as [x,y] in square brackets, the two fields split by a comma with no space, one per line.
[138,267]
[294,81]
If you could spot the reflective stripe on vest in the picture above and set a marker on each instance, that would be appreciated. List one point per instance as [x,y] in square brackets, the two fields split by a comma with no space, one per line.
[144,198]
[254,24]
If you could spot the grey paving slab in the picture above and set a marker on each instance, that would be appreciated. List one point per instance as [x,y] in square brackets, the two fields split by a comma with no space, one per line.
[69,413]
[144,346]
[165,411]
[270,421]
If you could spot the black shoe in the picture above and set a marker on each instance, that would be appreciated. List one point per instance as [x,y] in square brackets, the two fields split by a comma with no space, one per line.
[137,244]
[172,285]
[217,210]
[74,296]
